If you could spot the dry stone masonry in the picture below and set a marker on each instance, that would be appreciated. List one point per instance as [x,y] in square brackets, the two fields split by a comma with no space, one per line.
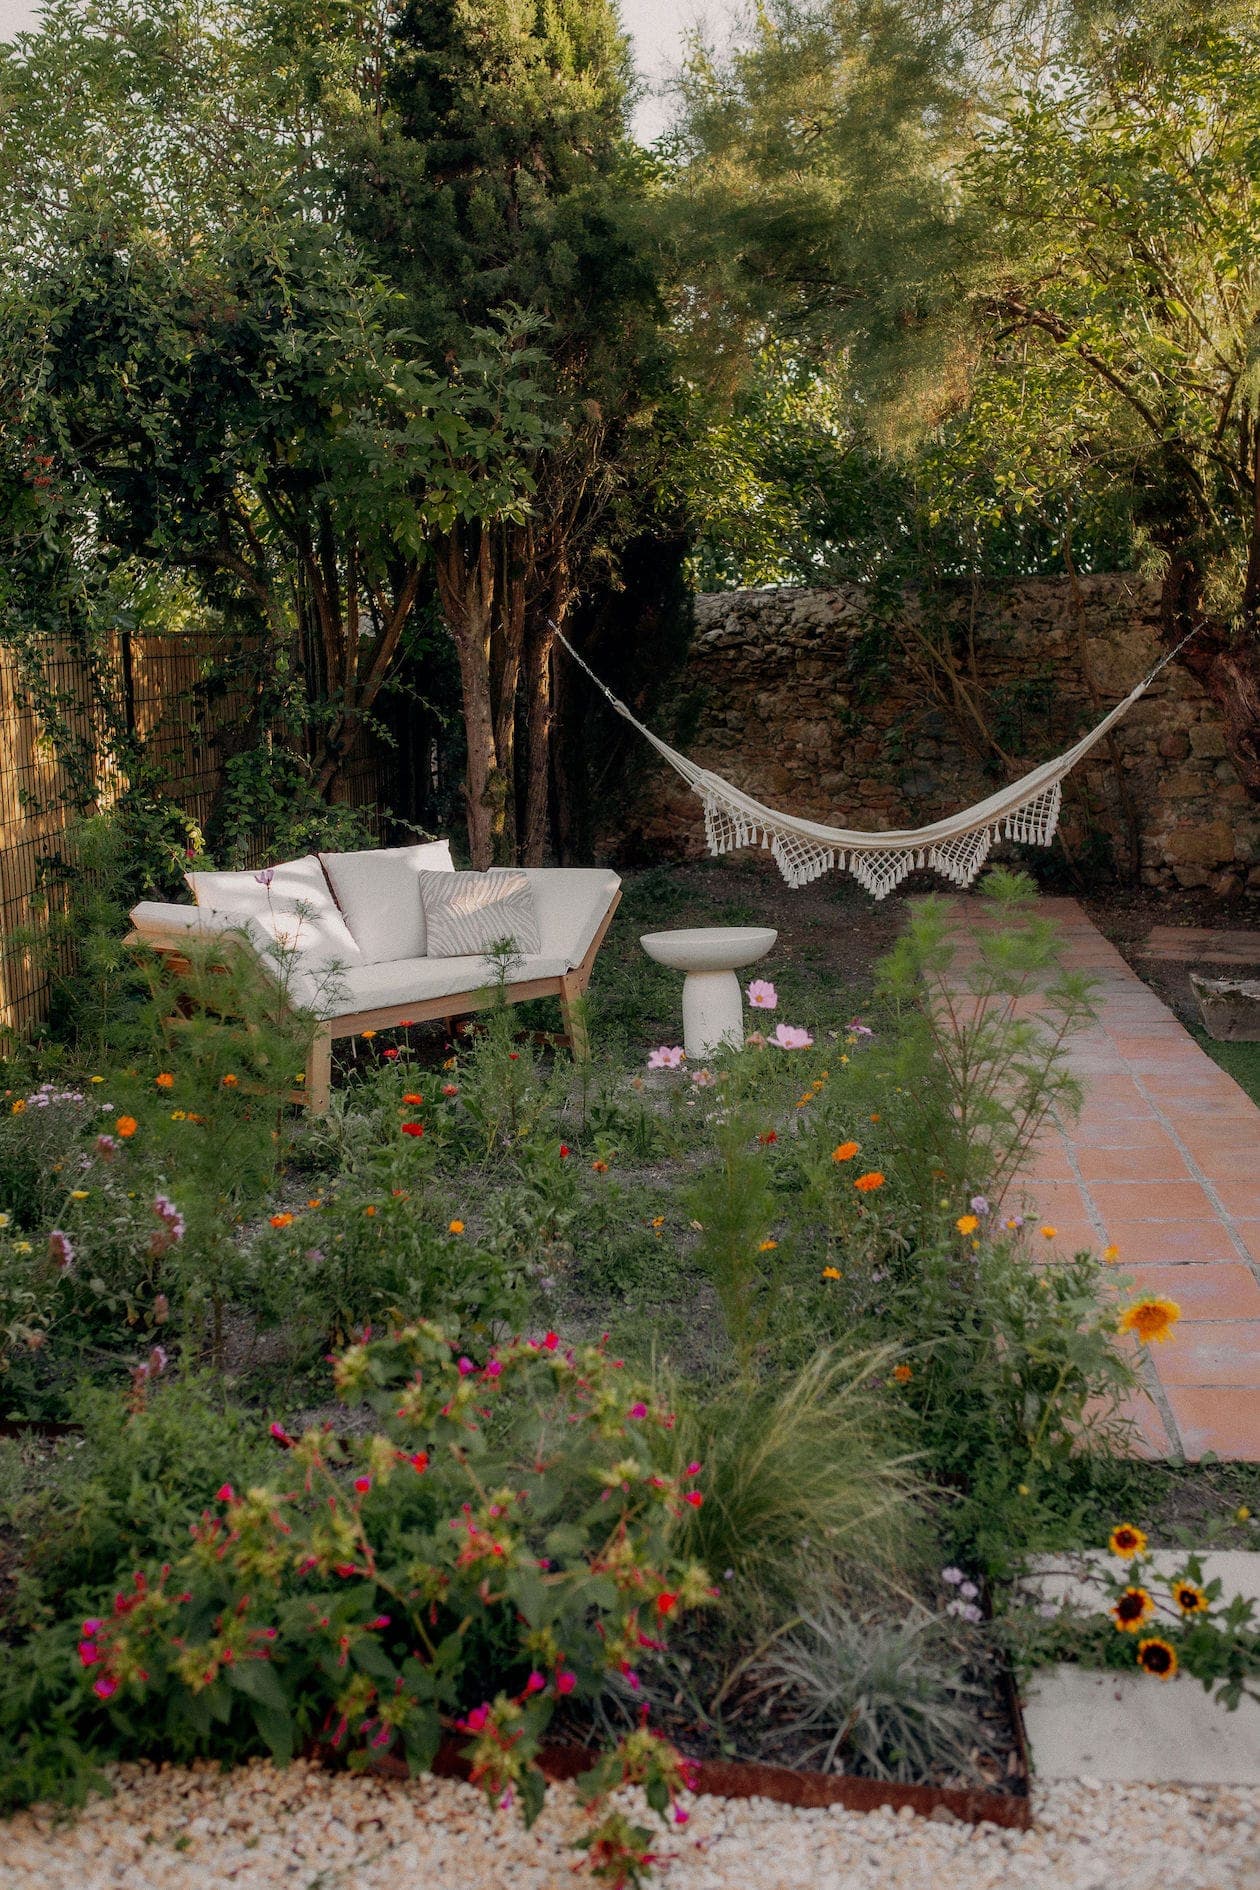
[800,699]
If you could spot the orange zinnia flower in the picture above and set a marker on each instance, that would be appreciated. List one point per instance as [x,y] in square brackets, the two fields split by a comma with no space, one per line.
[456,1227]
[1152,1319]
[413,1100]
[967,1223]
[282,1220]
[165,1080]
[831,1273]
[867,1184]
[845,1152]
[230,1081]
[125,1126]
[902,1374]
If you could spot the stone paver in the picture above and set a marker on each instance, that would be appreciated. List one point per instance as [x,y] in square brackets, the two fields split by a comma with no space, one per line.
[1164,1163]
[1128,1726]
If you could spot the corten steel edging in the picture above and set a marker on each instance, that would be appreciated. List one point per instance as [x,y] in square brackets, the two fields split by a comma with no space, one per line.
[737,1778]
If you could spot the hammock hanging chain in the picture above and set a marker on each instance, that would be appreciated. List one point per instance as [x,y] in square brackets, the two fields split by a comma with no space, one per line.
[956,848]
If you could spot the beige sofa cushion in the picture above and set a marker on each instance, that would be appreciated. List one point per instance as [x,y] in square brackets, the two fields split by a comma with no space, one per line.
[466,914]
[379,895]
[294,905]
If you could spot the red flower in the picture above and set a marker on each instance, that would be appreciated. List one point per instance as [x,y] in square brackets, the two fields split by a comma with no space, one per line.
[564,1150]
[420,1462]
[694,1498]
[390,1053]
[413,1128]
[363,1485]
[565,1681]
[768,1136]
[665,1603]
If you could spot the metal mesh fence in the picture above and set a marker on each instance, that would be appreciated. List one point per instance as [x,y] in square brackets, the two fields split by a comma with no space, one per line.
[180,695]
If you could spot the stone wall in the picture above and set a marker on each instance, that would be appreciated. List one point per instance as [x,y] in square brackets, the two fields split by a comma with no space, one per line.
[799,699]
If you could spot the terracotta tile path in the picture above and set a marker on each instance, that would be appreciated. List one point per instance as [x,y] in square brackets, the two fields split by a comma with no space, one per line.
[1164,1161]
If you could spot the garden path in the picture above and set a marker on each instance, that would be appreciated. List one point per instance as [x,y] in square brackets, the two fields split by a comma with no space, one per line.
[1164,1162]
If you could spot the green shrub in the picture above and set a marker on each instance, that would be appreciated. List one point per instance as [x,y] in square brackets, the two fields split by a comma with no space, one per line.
[502,1542]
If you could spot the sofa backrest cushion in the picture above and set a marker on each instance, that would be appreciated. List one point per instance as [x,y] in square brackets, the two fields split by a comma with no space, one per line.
[468,913]
[294,904]
[379,895]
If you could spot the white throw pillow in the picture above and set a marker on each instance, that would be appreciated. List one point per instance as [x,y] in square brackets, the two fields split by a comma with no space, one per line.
[379,895]
[468,913]
[294,905]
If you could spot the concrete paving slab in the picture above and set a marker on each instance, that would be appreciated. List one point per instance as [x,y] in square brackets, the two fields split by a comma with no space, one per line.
[1128,1727]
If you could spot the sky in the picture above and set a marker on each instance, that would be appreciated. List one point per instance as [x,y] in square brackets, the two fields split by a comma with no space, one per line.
[657,28]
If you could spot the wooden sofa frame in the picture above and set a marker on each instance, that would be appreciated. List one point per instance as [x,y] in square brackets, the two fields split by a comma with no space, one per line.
[569,986]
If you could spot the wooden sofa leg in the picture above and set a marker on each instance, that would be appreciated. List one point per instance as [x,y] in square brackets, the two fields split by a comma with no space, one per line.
[319,1071]
[572,990]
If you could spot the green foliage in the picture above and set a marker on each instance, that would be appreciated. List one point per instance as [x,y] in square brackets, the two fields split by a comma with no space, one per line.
[985,1070]
[891,1695]
[499,1543]
[802,1478]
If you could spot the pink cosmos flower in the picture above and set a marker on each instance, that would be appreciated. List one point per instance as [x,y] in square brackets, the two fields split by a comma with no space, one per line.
[667,1057]
[762,995]
[703,1079]
[861,1030]
[792,1037]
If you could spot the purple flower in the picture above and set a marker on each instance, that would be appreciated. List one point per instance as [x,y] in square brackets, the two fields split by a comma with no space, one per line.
[60,1250]
[968,1590]
[266,876]
[979,1205]
[953,1576]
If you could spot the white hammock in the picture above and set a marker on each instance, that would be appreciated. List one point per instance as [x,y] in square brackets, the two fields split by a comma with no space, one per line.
[956,847]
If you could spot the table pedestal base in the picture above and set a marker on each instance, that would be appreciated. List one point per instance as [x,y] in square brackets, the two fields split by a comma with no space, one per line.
[713,1013]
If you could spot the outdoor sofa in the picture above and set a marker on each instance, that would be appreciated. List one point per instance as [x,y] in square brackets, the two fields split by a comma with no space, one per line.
[364,941]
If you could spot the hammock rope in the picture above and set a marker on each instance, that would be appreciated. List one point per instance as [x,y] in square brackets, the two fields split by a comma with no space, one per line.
[956,847]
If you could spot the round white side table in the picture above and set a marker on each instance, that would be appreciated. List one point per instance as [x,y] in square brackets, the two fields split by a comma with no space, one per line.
[713,1008]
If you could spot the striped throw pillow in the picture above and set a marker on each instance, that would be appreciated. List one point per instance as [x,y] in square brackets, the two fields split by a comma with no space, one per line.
[467,914]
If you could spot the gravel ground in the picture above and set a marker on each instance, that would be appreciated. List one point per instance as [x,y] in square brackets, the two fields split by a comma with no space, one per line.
[258,1829]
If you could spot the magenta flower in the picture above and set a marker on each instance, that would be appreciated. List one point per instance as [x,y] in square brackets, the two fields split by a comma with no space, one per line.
[466,1368]
[477,1719]
[493,1368]
[667,1057]
[638,1410]
[861,1030]
[105,1687]
[89,1653]
[565,1681]
[762,995]
[535,1683]
[225,1494]
[792,1037]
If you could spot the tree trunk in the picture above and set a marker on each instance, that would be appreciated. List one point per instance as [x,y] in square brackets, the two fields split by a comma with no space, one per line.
[466,587]
[1228,666]
[539,719]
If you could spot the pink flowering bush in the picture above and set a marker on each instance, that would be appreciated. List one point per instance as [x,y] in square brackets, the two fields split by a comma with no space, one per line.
[502,1541]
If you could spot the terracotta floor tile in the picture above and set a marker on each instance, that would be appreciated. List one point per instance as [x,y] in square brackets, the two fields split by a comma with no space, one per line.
[1134,1132]
[1161,1162]
[1221,1132]
[1054,1200]
[1070,1238]
[1118,1091]
[1240,1198]
[1226,1422]
[1222,1163]
[1178,1103]
[1151,1201]
[1203,1292]
[1172,1243]
[1049,1163]
[1223,1352]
